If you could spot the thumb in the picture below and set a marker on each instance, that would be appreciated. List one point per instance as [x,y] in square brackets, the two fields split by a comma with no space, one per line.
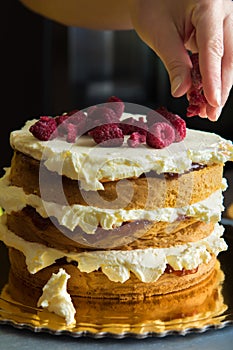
[171,50]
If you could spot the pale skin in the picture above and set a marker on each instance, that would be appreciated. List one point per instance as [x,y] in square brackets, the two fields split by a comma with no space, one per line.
[170,28]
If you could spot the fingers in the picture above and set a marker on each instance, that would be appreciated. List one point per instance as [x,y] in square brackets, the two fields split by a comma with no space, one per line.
[227,61]
[214,37]
[204,26]
[153,22]
[175,59]
[208,21]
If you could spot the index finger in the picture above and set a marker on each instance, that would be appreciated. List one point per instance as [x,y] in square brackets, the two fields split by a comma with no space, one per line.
[208,22]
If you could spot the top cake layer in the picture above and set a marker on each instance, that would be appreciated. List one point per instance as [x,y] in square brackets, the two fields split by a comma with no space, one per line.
[91,165]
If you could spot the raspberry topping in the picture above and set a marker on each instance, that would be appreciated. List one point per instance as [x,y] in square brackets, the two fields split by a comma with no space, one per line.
[197,100]
[136,139]
[177,122]
[131,125]
[44,129]
[160,129]
[74,111]
[77,118]
[160,135]
[117,105]
[108,135]
[72,130]
[153,117]
[61,118]
[101,115]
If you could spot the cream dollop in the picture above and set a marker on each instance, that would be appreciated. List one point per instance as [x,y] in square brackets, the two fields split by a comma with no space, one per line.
[55,297]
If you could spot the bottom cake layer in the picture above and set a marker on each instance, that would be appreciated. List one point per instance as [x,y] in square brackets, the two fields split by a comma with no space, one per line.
[96,285]
[202,300]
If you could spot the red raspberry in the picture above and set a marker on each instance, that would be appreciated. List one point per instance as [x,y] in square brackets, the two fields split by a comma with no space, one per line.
[136,139]
[61,118]
[90,110]
[177,122]
[193,110]
[195,72]
[196,102]
[196,96]
[72,130]
[127,126]
[160,135]
[61,124]
[78,119]
[117,105]
[73,111]
[130,125]
[44,129]
[153,117]
[101,115]
[108,135]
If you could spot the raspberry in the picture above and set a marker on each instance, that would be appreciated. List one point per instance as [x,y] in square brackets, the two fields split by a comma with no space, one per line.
[90,110]
[195,72]
[193,110]
[127,126]
[136,139]
[72,130]
[77,118]
[177,122]
[130,125]
[197,100]
[73,111]
[101,115]
[153,117]
[44,129]
[160,135]
[108,135]
[117,105]
[61,118]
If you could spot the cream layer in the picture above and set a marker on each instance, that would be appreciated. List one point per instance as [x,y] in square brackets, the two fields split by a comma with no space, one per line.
[147,264]
[13,198]
[89,163]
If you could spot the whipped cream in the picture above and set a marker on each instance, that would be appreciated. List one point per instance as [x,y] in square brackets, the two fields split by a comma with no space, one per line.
[55,297]
[89,218]
[147,264]
[87,162]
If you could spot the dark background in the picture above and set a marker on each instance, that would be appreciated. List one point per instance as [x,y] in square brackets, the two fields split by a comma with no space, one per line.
[47,68]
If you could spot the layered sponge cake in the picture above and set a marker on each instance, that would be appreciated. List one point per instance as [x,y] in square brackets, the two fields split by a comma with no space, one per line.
[111,211]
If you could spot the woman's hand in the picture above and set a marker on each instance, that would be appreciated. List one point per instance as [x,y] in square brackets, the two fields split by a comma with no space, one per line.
[171,28]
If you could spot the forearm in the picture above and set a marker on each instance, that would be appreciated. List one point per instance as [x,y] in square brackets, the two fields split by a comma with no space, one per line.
[92,14]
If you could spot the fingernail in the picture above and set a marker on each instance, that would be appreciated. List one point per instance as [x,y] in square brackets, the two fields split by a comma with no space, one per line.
[218,112]
[218,97]
[176,82]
